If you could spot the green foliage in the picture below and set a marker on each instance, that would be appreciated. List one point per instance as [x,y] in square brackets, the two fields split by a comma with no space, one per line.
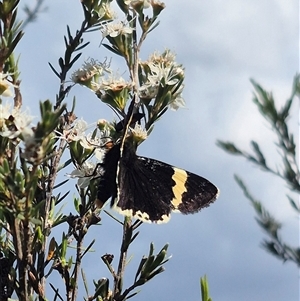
[31,157]
[266,221]
[204,289]
[289,172]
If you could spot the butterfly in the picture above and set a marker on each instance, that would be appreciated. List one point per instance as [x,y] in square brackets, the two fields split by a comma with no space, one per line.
[148,189]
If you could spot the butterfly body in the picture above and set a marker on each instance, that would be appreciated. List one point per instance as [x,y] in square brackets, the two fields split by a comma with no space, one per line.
[149,189]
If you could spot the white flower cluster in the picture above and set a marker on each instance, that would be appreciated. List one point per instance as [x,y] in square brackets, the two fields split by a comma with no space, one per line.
[88,170]
[90,73]
[161,70]
[98,77]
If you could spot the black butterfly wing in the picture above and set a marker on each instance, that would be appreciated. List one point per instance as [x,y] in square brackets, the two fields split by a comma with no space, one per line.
[107,186]
[192,192]
[145,189]
[149,189]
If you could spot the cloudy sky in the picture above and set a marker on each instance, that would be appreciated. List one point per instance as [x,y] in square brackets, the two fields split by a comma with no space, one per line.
[222,44]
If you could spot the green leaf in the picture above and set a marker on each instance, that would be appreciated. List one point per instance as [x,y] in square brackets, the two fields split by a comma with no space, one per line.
[229,147]
[102,288]
[204,289]
[259,154]
[294,204]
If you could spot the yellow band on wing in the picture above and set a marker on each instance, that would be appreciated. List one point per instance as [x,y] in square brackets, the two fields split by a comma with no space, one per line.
[179,177]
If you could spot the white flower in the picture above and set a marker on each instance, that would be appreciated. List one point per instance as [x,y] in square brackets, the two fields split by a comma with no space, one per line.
[165,75]
[115,29]
[76,132]
[114,83]
[139,133]
[85,173]
[167,57]
[88,142]
[160,75]
[177,100]
[90,72]
[99,153]
[177,103]
[28,136]
[148,90]
[14,122]
[94,143]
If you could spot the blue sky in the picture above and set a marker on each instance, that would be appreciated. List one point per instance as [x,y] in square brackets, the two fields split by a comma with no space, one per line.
[222,44]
